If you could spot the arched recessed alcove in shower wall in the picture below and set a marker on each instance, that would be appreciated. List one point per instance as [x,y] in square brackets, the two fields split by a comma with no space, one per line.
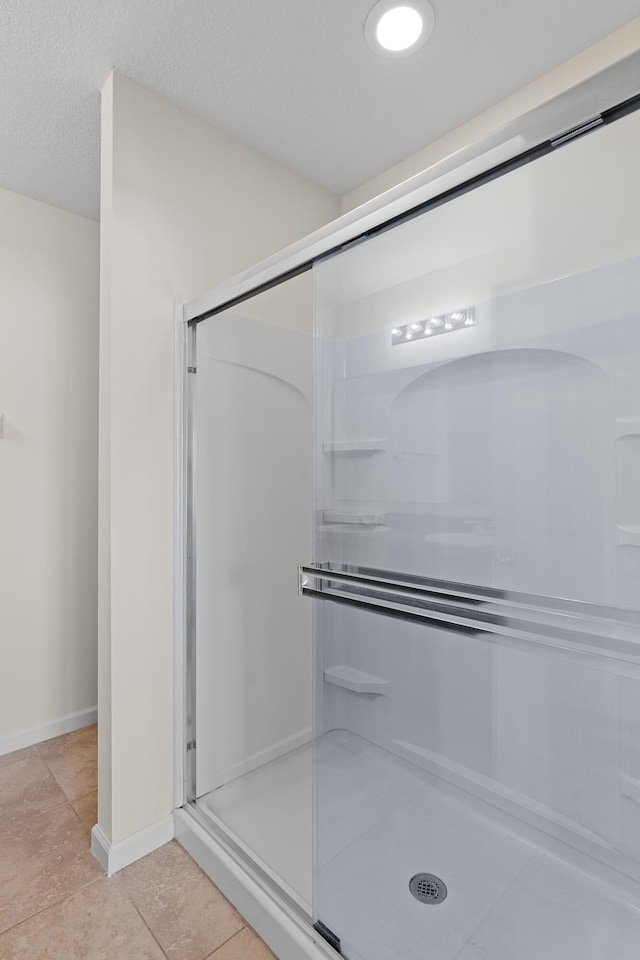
[508,457]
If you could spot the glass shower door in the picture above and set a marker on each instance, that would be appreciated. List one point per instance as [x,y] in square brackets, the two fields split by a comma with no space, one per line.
[476,571]
[251,655]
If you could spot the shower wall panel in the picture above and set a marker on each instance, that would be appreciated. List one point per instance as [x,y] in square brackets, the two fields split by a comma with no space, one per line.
[253,485]
[501,455]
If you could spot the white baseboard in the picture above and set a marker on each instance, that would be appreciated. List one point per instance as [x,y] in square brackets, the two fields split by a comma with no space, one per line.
[114,856]
[54,728]
[287,934]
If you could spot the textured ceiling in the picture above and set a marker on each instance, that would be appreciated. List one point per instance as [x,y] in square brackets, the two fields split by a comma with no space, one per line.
[294,78]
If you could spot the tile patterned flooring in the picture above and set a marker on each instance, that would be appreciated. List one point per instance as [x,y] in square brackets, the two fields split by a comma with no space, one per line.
[55,902]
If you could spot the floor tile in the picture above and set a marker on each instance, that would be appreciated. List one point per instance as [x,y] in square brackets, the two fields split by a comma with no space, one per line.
[556,911]
[73,760]
[16,755]
[87,810]
[246,945]
[42,861]
[97,923]
[27,789]
[188,916]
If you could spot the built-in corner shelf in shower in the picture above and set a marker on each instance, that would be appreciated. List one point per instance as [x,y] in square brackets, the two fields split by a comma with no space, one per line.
[628,536]
[627,427]
[333,517]
[356,680]
[356,447]
[630,788]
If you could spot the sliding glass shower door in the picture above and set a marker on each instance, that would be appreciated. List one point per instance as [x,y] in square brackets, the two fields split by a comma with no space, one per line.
[476,571]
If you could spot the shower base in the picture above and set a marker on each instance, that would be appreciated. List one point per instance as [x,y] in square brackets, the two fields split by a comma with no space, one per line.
[512,891]
[268,812]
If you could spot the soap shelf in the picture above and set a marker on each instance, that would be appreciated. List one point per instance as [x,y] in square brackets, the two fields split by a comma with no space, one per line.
[628,536]
[356,680]
[361,447]
[627,427]
[353,528]
[353,519]
[630,787]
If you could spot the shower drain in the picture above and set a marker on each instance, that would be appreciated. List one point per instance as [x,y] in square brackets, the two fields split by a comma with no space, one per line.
[428,888]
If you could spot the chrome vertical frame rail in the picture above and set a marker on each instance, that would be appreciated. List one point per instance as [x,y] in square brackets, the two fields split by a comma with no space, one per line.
[190,560]
[180,570]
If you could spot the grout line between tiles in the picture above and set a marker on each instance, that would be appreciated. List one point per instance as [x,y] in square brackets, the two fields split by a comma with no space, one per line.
[83,796]
[43,813]
[244,926]
[5,766]
[59,785]
[50,906]
[78,799]
[78,817]
[20,823]
[62,736]
[135,907]
[52,772]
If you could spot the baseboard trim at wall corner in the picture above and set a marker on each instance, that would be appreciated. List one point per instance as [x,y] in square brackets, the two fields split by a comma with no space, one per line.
[113,857]
[45,731]
[100,847]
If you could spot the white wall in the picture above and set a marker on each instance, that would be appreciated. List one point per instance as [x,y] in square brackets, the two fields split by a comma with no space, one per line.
[184,206]
[611,49]
[48,463]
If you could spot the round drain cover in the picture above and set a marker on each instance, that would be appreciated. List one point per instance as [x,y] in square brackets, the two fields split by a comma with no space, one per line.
[428,888]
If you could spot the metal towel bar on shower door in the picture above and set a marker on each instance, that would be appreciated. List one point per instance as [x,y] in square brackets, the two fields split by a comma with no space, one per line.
[567,625]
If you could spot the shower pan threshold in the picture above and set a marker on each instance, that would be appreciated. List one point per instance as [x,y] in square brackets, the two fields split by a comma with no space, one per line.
[512,890]
[267,812]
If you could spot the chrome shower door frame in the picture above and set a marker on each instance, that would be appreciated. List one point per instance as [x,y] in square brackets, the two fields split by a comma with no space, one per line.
[602,98]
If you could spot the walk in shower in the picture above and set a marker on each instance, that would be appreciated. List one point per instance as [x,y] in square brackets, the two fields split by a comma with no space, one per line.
[413,631]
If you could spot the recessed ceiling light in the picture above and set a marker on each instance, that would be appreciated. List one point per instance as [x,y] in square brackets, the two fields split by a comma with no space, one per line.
[399,28]
[395,29]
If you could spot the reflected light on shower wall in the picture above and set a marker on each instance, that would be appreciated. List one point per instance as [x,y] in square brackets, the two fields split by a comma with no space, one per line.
[445,323]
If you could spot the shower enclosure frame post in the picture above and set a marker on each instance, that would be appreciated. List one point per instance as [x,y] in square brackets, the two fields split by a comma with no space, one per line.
[190,562]
[184,441]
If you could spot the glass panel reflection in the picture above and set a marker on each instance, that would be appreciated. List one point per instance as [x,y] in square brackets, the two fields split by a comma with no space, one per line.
[478,421]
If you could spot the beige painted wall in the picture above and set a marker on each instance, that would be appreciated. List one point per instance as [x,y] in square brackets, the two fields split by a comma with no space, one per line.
[48,462]
[584,65]
[184,206]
